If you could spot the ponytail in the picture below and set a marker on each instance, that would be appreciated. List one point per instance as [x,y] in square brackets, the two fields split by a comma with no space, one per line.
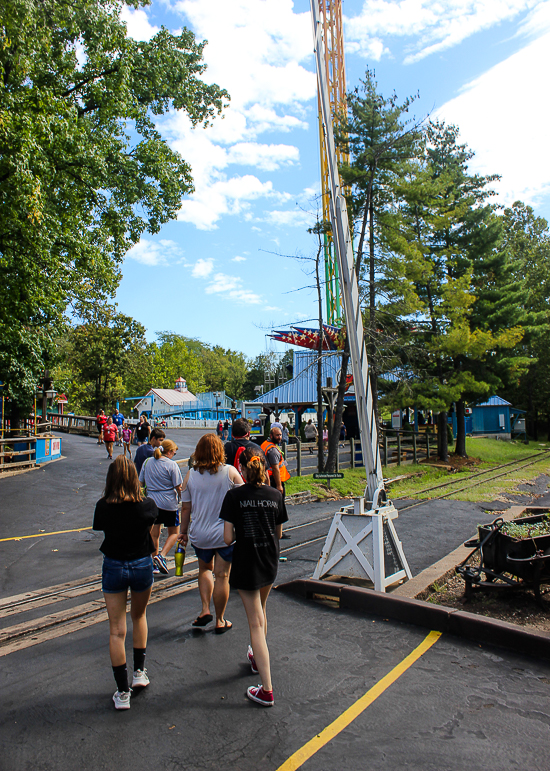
[254,461]
[166,446]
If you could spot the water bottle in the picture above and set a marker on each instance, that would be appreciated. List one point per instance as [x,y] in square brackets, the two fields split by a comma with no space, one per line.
[179,558]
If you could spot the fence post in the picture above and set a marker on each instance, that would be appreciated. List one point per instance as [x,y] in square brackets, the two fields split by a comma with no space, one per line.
[427,446]
[337,459]
[298,457]
[398,448]
[385,448]
[414,448]
[352,450]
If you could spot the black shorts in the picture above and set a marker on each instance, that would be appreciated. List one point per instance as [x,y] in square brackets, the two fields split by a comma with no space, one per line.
[167,518]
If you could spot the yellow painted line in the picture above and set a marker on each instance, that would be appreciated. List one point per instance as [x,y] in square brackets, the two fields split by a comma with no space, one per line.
[337,726]
[43,535]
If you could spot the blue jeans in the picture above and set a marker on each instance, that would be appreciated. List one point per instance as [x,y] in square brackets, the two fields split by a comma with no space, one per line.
[226,553]
[118,575]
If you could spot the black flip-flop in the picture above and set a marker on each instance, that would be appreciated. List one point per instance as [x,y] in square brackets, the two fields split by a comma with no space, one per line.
[225,628]
[202,620]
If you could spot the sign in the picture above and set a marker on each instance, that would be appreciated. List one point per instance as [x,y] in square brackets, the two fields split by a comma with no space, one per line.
[328,475]
[252,414]
[396,419]
[56,446]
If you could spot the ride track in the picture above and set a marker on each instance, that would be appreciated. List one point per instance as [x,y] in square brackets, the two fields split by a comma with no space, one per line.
[517,466]
[68,620]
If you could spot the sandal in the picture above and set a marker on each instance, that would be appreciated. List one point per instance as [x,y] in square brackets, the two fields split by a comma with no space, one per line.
[202,620]
[225,628]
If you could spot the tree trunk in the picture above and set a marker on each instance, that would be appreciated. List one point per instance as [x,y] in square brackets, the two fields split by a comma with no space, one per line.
[442,447]
[460,448]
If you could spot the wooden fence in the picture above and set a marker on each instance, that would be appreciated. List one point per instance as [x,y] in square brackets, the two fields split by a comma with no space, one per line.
[396,447]
[17,453]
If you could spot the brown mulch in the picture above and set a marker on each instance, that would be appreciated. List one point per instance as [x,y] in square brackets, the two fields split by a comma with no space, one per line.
[455,462]
[517,606]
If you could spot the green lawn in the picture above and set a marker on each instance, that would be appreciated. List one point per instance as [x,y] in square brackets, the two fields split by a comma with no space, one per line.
[489,452]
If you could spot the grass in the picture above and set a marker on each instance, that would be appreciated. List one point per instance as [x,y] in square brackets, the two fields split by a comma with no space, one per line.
[351,486]
[487,453]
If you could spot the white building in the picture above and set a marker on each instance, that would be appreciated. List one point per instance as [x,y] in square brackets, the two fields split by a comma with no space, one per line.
[160,401]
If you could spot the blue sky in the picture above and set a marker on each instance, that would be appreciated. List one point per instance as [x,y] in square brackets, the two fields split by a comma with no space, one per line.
[224,271]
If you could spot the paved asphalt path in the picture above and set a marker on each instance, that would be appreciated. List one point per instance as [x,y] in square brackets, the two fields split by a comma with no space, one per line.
[460,706]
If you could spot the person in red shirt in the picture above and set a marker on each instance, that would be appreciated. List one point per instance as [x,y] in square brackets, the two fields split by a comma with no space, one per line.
[110,433]
[101,420]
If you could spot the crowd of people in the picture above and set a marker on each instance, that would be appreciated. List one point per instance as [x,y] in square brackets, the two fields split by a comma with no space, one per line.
[232,514]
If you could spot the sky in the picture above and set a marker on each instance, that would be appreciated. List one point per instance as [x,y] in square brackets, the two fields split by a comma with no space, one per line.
[237,261]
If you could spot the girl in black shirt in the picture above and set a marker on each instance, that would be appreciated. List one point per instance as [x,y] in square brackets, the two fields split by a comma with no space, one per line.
[126,520]
[254,514]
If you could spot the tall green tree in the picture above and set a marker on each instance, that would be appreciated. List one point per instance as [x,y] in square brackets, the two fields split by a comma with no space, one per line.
[93,359]
[449,236]
[526,240]
[380,139]
[83,169]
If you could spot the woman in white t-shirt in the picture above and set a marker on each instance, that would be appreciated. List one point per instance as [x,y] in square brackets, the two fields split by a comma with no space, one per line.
[204,489]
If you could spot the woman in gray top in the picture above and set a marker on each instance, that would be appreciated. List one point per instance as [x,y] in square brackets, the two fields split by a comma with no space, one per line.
[204,489]
[163,479]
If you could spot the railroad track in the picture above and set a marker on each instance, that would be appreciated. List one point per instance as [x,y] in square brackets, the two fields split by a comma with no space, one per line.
[488,475]
[92,610]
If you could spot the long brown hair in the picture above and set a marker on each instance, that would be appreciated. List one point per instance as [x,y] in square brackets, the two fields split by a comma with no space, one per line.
[253,461]
[122,483]
[209,453]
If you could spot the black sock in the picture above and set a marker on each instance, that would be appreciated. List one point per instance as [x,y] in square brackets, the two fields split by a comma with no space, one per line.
[139,659]
[121,677]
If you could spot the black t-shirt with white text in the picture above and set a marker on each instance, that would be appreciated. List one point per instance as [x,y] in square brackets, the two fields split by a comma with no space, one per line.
[255,513]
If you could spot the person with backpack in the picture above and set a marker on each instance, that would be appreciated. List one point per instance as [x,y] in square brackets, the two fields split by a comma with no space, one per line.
[253,517]
[240,432]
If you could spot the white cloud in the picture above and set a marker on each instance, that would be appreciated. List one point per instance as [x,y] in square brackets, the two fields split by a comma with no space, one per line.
[265,157]
[503,117]
[238,259]
[294,218]
[137,23]
[202,268]
[154,252]
[256,50]
[230,287]
[226,196]
[436,26]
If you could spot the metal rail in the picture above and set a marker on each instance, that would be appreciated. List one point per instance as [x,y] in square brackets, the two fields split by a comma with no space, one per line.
[468,487]
[57,594]
[479,473]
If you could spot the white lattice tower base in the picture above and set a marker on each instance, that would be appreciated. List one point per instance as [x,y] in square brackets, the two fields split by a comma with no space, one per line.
[364,544]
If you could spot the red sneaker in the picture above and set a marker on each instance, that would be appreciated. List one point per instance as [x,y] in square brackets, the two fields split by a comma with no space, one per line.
[251,660]
[257,694]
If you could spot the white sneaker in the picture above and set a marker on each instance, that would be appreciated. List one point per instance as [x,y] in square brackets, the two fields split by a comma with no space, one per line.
[121,700]
[140,679]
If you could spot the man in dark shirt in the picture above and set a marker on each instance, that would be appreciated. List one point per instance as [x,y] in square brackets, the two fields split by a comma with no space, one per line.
[145,451]
[240,432]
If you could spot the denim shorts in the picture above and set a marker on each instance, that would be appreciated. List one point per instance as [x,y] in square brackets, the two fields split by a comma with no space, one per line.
[117,575]
[226,553]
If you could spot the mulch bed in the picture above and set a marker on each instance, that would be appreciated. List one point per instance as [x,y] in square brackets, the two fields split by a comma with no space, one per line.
[517,606]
